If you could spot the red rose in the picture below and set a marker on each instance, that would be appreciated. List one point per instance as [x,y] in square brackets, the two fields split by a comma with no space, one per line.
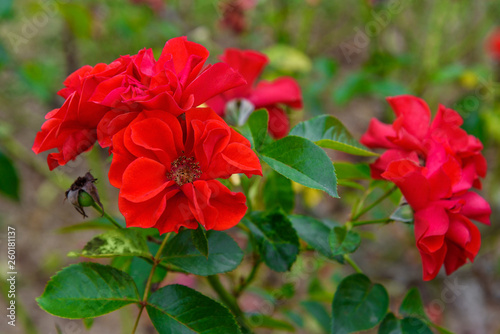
[443,231]
[102,100]
[166,171]
[72,129]
[412,134]
[265,94]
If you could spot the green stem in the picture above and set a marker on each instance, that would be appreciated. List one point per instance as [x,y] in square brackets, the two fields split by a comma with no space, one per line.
[229,301]
[249,279]
[374,204]
[156,262]
[369,222]
[353,264]
[105,215]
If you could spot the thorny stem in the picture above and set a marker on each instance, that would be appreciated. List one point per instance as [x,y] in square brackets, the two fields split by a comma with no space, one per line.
[156,262]
[374,204]
[105,215]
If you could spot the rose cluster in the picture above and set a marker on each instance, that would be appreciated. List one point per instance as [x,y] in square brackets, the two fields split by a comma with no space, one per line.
[434,164]
[167,149]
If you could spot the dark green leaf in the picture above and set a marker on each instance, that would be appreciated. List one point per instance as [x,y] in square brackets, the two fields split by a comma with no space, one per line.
[276,239]
[314,232]
[328,132]
[393,325]
[319,313]
[278,192]
[225,254]
[295,317]
[358,305]
[9,182]
[117,242]
[265,321]
[200,241]
[343,241]
[87,290]
[182,310]
[412,305]
[302,161]
[257,124]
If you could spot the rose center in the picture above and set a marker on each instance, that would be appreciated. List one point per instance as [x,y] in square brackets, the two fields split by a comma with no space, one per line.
[184,170]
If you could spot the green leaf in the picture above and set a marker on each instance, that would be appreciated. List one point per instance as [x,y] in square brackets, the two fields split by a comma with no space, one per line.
[9,181]
[393,325]
[278,192]
[182,310]
[200,240]
[225,254]
[257,126]
[117,242]
[345,170]
[264,321]
[328,132]
[343,241]
[276,239]
[358,305]
[412,305]
[302,161]
[87,290]
[314,232]
[319,313]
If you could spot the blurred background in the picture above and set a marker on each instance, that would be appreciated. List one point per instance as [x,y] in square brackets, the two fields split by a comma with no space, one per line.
[346,55]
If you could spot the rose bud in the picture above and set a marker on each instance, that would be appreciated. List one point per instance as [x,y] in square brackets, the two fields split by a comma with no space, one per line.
[83,193]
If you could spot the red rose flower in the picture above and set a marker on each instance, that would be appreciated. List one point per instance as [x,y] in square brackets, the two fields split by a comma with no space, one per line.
[102,100]
[234,14]
[269,95]
[412,133]
[166,171]
[443,231]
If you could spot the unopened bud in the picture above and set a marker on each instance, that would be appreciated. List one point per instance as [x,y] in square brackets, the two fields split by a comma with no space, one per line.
[83,193]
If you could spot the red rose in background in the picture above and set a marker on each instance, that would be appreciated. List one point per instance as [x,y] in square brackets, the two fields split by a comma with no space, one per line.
[102,100]
[493,45]
[443,231]
[265,94]
[234,14]
[166,171]
[412,133]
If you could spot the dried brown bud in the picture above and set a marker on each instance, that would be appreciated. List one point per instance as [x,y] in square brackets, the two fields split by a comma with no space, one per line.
[83,193]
